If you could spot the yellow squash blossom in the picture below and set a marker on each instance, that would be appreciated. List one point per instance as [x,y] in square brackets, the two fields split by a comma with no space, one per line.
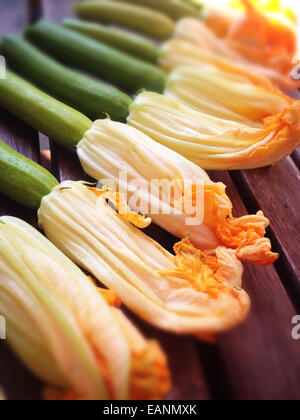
[192,292]
[265,32]
[110,147]
[226,95]
[214,143]
[235,12]
[59,324]
[180,53]
[202,39]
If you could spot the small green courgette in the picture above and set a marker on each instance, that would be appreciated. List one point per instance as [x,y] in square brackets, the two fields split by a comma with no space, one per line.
[23,180]
[132,44]
[142,19]
[44,113]
[175,9]
[94,99]
[94,57]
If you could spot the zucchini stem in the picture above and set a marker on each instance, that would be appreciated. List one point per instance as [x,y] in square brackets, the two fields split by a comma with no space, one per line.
[96,58]
[142,19]
[130,43]
[22,179]
[42,112]
[93,98]
[175,9]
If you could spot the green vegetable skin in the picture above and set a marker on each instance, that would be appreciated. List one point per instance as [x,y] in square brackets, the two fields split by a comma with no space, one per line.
[44,113]
[90,97]
[142,19]
[99,59]
[23,180]
[175,9]
[132,44]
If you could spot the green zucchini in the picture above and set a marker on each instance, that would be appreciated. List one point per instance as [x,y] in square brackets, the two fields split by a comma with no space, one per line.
[142,19]
[44,113]
[132,44]
[94,57]
[92,98]
[23,180]
[175,9]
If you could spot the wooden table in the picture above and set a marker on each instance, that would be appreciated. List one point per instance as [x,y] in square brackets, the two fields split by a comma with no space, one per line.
[258,360]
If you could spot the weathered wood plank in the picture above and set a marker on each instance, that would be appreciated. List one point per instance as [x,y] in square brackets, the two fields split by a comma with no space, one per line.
[260,359]
[33,10]
[66,165]
[13,16]
[57,9]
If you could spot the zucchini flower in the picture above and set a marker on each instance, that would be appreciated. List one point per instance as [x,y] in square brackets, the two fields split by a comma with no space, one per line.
[199,36]
[214,143]
[192,292]
[265,32]
[228,96]
[109,146]
[70,337]
[178,53]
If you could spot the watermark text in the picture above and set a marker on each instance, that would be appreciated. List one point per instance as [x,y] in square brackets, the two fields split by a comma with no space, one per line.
[2,67]
[2,328]
[296,329]
[295,73]
[183,197]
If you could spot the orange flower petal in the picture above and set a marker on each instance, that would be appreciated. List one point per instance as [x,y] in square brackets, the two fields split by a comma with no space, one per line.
[118,200]
[244,234]
[200,269]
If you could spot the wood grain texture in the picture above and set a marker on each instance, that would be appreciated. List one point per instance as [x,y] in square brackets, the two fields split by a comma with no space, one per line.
[13,14]
[57,9]
[66,165]
[260,359]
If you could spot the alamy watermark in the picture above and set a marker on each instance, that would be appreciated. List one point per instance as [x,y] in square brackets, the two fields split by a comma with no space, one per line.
[2,328]
[295,73]
[2,67]
[183,197]
[296,329]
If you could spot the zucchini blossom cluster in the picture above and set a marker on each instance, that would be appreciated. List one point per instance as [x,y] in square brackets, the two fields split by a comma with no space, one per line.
[192,292]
